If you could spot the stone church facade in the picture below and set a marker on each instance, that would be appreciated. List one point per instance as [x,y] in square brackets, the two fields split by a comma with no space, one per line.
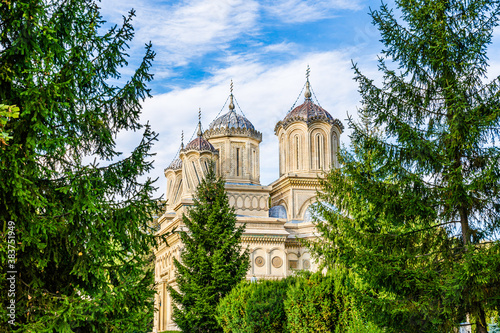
[275,215]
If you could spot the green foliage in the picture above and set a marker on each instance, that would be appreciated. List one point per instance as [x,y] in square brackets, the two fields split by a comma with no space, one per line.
[81,230]
[315,304]
[265,310]
[6,112]
[307,303]
[414,211]
[211,262]
[255,307]
[231,310]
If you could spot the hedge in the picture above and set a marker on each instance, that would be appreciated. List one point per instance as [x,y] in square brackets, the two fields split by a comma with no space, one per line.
[309,303]
[314,304]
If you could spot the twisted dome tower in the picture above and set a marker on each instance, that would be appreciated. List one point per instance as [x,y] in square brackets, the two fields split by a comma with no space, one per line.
[237,141]
[173,173]
[196,159]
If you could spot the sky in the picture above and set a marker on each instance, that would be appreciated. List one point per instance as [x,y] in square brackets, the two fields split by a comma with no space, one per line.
[265,48]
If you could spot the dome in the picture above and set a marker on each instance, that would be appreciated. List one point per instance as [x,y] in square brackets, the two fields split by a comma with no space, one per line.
[232,124]
[175,165]
[308,112]
[231,120]
[200,144]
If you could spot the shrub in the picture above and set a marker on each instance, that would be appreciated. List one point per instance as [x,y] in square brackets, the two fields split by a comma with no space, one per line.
[265,309]
[255,307]
[232,308]
[314,304]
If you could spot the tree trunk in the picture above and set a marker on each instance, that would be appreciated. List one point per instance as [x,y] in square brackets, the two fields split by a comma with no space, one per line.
[480,317]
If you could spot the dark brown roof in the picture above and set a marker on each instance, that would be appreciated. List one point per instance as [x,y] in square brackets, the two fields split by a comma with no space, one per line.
[308,112]
[200,144]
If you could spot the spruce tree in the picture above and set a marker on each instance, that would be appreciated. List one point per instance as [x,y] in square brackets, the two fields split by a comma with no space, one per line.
[212,260]
[414,211]
[79,229]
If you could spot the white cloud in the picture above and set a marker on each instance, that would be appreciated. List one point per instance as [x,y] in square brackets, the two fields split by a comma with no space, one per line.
[283,47]
[191,29]
[299,11]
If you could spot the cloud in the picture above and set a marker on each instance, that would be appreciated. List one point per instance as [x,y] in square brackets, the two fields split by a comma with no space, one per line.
[300,11]
[190,29]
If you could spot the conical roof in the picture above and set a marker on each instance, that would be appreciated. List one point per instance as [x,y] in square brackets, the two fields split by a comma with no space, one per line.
[231,120]
[308,112]
[200,144]
[232,124]
[175,165]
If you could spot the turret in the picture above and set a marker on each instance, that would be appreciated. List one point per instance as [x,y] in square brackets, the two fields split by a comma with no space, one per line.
[237,142]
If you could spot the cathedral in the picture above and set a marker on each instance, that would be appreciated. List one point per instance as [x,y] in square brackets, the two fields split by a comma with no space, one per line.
[275,215]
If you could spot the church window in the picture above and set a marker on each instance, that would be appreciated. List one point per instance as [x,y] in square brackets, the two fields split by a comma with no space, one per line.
[237,161]
[319,151]
[334,148]
[297,144]
[254,162]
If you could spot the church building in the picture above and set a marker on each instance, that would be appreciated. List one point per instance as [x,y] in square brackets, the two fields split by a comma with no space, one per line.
[275,215]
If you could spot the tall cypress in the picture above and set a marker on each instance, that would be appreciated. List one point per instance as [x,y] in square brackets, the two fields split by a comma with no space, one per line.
[212,260]
[414,211]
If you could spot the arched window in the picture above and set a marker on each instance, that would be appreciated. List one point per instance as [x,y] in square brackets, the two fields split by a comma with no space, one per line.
[297,152]
[320,151]
[254,163]
[178,191]
[237,161]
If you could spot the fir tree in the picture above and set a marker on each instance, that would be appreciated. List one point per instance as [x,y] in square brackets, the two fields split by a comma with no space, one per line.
[417,209]
[212,260]
[6,112]
[80,230]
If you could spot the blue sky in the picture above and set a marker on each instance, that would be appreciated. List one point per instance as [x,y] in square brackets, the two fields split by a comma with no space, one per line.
[264,47]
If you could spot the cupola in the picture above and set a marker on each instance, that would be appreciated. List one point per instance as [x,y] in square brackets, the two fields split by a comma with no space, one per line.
[237,142]
[308,137]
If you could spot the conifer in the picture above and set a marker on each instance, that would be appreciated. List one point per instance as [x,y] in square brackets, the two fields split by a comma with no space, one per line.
[212,260]
[414,210]
[80,231]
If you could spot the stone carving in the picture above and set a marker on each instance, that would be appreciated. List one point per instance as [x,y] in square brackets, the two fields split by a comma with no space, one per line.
[306,264]
[259,261]
[277,262]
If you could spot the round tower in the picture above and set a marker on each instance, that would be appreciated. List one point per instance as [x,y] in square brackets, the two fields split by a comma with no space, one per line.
[308,138]
[173,173]
[197,157]
[237,142]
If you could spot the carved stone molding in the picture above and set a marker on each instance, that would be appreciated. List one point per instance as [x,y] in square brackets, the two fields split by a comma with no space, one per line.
[277,262]
[259,261]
